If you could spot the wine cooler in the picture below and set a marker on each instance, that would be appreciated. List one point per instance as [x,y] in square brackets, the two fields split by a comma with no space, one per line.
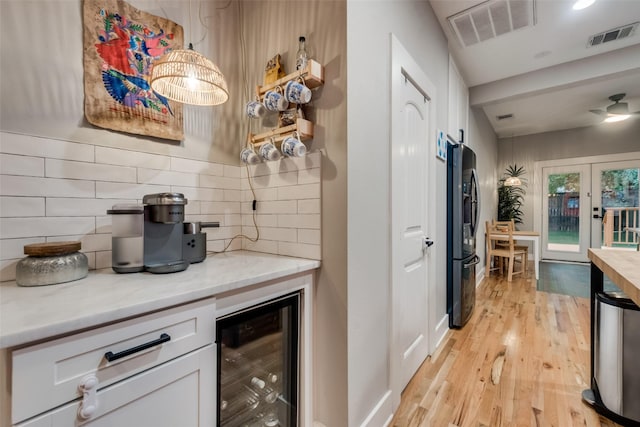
[258,365]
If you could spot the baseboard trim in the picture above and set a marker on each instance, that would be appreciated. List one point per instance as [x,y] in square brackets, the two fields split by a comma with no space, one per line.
[441,330]
[382,413]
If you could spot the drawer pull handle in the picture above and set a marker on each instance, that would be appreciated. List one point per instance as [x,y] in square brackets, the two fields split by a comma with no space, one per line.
[110,356]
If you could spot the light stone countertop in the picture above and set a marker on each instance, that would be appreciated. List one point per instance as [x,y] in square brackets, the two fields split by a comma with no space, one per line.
[34,313]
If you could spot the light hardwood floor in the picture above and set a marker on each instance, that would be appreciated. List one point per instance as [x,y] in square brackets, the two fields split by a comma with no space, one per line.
[522,360]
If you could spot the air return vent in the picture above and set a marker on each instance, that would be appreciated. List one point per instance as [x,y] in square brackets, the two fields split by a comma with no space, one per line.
[491,19]
[612,35]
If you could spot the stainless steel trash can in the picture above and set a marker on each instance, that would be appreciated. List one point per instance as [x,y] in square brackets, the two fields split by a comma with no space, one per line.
[616,350]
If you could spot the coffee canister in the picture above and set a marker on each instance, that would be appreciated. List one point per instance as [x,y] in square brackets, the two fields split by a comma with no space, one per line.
[51,263]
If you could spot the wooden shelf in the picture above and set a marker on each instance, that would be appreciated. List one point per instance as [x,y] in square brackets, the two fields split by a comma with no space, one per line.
[313,76]
[302,126]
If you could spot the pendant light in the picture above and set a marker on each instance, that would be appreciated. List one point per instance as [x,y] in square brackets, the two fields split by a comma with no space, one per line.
[187,76]
[512,181]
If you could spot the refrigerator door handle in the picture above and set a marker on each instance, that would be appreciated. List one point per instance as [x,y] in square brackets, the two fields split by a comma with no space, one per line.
[476,201]
[476,260]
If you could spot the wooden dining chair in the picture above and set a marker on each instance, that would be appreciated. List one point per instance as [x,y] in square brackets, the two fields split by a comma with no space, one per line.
[507,253]
[511,223]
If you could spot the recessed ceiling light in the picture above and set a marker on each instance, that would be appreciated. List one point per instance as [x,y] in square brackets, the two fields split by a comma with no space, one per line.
[582,4]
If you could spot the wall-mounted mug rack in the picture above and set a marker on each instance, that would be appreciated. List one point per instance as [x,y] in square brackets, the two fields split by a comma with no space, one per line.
[313,75]
[302,126]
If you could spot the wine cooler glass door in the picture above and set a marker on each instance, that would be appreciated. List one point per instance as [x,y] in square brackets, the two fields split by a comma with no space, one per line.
[258,365]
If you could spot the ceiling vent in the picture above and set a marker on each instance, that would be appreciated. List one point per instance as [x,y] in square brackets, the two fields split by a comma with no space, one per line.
[612,35]
[491,19]
[505,116]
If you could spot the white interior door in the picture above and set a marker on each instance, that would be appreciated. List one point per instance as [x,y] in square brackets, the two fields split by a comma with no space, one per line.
[411,139]
[566,205]
[615,190]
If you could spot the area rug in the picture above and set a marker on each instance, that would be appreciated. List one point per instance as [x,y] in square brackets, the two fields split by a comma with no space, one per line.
[568,279]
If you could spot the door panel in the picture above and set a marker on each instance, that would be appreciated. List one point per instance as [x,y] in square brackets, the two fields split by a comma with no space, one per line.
[565,220]
[616,204]
[410,142]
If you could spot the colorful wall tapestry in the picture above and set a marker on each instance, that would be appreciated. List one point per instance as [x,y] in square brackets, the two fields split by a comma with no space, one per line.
[120,44]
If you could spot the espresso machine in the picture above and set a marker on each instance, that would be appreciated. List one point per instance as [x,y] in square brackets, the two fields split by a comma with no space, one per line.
[163,231]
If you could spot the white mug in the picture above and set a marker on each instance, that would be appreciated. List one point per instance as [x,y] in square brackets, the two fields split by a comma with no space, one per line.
[297,92]
[249,157]
[293,147]
[255,109]
[269,151]
[274,100]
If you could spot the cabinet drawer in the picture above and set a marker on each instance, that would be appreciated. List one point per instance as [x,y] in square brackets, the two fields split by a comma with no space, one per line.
[180,392]
[47,375]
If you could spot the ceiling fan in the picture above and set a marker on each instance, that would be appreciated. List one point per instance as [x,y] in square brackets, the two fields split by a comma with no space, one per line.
[617,111]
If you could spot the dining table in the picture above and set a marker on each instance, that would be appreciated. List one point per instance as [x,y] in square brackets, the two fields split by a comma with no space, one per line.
[526,235]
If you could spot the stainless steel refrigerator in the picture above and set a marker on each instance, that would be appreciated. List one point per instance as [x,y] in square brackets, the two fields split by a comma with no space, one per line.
[463,212]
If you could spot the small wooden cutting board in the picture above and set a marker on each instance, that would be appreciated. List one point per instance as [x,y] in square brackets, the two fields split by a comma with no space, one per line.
[52,248]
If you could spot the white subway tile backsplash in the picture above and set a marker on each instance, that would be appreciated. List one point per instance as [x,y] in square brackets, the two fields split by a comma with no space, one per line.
[45,226]
[221,182]
[297,192]
[119,190]
[261,194]
[8,269]
[89,242]
[21,206]
[199,193]
[53,190]
[232,171]
[118,157]
[309,176]
[45,147]
[196,166]
[220,207]
[156,176]
[89,171]
[309,206]
[45,187]
[21,165]
[261,220]
[299,250]
[279,234]
[299,221]
[72,207]
[268,246]
[232,195]
[103,259]
[275,207]
[14,248]
[280,180]
[309,236]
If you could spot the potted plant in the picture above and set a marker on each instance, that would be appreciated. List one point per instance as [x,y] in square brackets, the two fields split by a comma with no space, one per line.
[511,191]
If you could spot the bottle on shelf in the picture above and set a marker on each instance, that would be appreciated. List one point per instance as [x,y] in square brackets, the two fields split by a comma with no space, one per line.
[301,55]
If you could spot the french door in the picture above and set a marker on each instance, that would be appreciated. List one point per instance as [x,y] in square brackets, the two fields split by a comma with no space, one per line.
[616,204]
[566,206]
[589,205]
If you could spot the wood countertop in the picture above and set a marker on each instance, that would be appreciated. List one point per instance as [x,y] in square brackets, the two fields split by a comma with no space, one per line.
[621,267]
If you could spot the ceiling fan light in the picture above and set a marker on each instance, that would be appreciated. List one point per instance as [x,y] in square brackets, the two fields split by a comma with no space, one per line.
[616,118]
[512,181]
[582,4]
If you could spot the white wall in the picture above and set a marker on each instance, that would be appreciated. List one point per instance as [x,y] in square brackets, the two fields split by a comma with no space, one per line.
[606,138]
[369,25]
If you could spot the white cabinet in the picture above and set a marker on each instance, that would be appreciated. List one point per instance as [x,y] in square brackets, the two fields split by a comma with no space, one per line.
[157,369]
[180,392]
[458,104]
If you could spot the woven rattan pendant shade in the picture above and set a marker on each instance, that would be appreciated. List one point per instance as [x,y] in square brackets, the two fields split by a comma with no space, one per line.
[190,78]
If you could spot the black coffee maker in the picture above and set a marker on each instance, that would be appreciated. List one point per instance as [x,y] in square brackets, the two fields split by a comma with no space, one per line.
[163,230]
